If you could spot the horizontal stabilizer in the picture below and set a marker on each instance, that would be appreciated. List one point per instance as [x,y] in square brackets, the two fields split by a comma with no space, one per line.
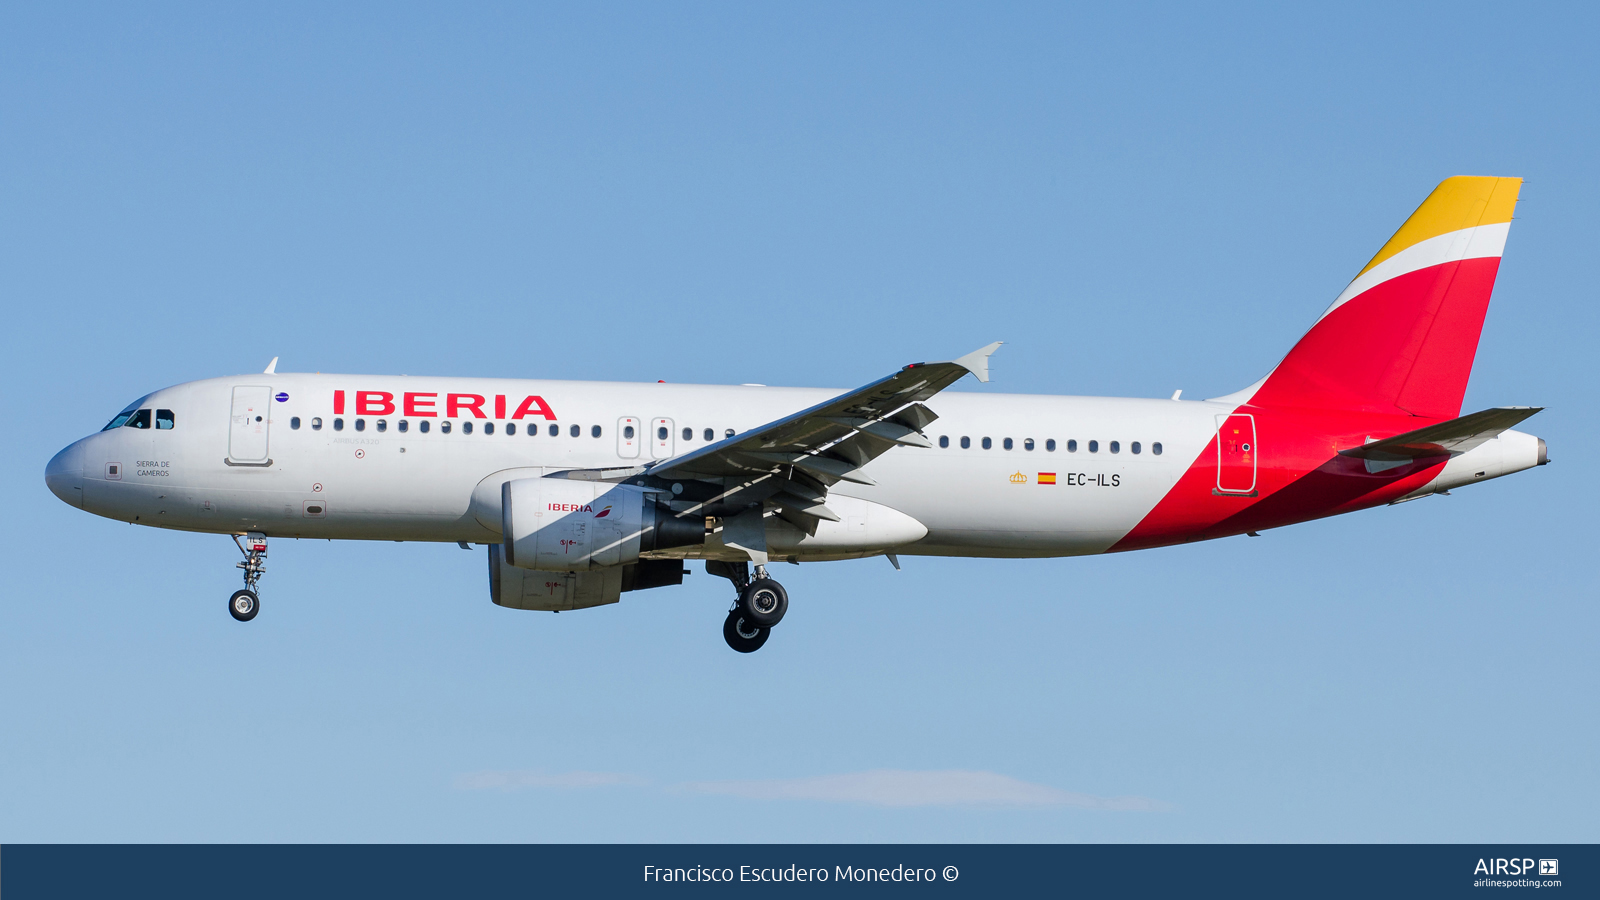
[1445,438]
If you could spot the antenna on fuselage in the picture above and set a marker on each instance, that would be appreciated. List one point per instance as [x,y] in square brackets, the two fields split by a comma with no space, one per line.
[272,367]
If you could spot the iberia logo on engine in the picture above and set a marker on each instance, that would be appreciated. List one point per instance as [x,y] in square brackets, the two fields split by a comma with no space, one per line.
[573,507]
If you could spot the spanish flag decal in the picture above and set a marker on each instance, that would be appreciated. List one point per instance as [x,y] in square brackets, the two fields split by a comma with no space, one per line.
[1047,478]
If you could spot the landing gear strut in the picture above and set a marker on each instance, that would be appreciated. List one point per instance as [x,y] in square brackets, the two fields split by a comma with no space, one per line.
[244,605]
[760,606]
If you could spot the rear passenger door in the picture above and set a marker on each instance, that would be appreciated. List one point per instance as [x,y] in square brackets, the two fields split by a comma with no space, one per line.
[1236,454]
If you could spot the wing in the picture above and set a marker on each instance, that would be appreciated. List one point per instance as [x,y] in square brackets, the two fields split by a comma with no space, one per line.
[834,439]
[787,466]
[1445,438]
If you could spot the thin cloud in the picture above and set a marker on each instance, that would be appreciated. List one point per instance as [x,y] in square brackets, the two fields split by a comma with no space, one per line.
[522,780]
[899,788]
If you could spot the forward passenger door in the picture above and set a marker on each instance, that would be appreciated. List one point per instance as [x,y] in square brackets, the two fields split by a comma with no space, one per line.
[247,429]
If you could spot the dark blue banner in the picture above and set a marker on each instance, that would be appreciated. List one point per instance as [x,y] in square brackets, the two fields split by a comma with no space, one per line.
[964,870]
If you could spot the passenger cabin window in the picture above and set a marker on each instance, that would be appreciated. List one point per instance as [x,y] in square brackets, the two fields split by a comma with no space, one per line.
[594,431]
[710,434]
[140,419]
[316,424]
[402,426]
[966,442]
[383,424]
[1072,445]
[688,434]
[1006,443]
[575,430]
[338,424]
[1135,448]
[1156,448]
[1027,444]
[944,440]
[661,433]
[627,432]
[555,430]
[988,444]
[1050,445]
[444,427]
[466,427]
[511,428]
[423,426]
[488,428]
[361,424]
[294,423]
[1116,447]
[728,433]
[165,420]
[1094,446]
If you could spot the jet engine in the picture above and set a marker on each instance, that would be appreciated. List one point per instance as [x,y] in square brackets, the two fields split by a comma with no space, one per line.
[561,525]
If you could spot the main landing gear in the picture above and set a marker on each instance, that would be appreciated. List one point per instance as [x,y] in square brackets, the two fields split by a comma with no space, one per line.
[244,605]
[760,606]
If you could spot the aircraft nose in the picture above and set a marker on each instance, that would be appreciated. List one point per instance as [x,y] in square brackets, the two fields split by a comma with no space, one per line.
[64,475]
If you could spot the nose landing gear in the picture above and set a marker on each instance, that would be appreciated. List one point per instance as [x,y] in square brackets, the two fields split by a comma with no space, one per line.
[761,605]
[244,605]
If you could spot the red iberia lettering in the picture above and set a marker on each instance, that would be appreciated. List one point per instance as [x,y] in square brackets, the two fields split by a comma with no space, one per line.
[419,405]
[338,403]
[571,507]
[534,406]
[499,406]
[374,403]
[454,403]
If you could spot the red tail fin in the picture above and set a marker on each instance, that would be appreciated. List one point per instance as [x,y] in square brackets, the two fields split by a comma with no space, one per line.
[1402,336]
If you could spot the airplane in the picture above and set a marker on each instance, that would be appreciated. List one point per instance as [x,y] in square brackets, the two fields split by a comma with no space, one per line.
[585,491]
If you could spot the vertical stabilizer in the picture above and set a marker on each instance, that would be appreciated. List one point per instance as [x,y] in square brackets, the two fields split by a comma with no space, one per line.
[1401,338]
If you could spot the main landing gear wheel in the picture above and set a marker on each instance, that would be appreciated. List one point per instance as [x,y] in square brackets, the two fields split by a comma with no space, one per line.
[763,602]
[244,605]
[741,635]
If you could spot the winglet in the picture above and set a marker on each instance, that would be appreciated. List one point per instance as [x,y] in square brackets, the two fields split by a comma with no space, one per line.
[977,362]
[272,367]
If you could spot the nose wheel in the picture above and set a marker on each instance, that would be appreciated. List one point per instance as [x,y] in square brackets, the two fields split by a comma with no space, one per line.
[244,605]
[761,605]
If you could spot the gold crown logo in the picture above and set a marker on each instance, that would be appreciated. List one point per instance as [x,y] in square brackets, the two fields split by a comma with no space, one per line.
[1019,478]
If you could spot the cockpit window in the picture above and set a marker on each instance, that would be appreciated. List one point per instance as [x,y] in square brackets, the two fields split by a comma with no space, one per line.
[164,420]
[140,419]
[120,419]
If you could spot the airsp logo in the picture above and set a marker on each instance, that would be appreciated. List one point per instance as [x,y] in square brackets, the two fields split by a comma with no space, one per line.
[1513,867]
[1549,867]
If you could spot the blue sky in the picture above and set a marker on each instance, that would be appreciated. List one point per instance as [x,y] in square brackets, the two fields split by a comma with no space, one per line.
[1136,199]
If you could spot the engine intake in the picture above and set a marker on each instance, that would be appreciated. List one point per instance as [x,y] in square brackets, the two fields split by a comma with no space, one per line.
[560,525]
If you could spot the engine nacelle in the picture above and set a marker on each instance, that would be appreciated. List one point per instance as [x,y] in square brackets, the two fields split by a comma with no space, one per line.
[516,588]
[560,525]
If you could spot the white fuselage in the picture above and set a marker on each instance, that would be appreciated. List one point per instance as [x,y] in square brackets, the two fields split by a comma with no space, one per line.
[381,477]
[391,485]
